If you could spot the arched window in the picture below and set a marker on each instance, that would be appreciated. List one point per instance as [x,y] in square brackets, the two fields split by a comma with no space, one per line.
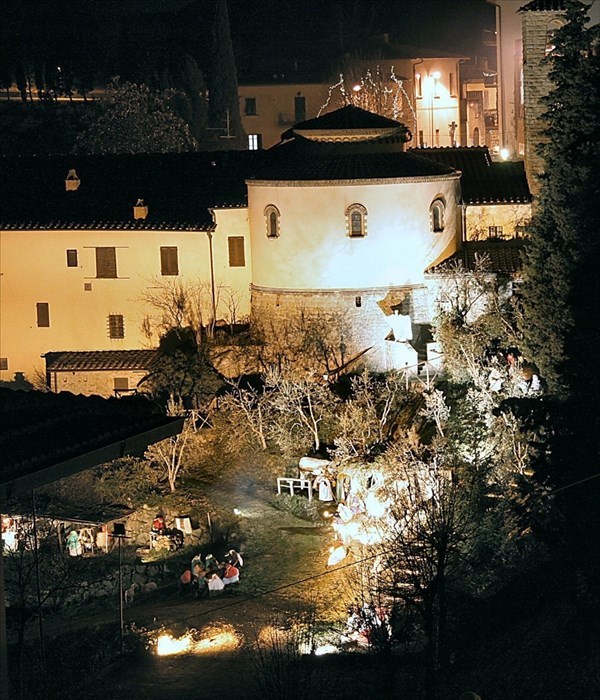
[272,221]
[437,215]
[356,221]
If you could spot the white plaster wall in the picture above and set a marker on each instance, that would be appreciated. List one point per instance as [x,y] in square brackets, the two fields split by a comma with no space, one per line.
[33,268]
[314,251]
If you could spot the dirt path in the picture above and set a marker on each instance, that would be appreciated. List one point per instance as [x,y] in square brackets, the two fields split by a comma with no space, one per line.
[280,550]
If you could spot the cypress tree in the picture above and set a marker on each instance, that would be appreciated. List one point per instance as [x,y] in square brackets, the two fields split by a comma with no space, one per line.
[561,295]
[561,267]
[221,79]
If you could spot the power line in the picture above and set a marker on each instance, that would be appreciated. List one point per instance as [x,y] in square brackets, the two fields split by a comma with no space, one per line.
[278,588]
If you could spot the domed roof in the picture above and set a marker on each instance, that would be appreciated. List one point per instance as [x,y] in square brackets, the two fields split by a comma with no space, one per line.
[349,123]
[305,160]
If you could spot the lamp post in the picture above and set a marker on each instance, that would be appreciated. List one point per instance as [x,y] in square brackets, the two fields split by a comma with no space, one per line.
[119,534]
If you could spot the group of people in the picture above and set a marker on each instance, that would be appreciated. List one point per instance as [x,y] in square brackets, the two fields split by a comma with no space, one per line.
[161,535]
[211,576]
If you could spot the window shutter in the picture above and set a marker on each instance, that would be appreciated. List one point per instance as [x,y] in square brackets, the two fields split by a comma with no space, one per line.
[169,264]
[43,315]
[237,256]
[106,263]
[116,327]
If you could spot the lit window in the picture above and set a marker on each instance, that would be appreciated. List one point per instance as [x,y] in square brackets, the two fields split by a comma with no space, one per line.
[418,85]
[237,256]
[250,106]
[272,221]
[495,231]
[71,258]
[356,221]
[254,142]
[436,211]
[43,314]
[106,263]
[116,326]
[169,264]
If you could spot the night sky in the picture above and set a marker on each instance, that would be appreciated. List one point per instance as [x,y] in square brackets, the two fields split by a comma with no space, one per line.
[303,26]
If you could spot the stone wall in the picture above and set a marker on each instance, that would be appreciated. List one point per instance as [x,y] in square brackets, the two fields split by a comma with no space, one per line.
[536,85]
[358,318]
[101,383]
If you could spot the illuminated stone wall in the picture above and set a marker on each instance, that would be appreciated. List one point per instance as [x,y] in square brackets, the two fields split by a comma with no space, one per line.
[537,29]
[101,383]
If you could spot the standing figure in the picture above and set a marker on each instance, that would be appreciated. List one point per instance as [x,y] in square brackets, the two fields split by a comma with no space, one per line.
[73,544]
[324,486]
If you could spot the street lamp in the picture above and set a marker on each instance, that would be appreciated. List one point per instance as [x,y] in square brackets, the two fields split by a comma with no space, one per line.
[119,534]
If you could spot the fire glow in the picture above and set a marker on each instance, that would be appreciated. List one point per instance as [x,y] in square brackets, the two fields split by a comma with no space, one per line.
[223,638]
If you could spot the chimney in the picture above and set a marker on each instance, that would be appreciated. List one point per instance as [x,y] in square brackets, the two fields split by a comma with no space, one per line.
[72,181]
[140,210]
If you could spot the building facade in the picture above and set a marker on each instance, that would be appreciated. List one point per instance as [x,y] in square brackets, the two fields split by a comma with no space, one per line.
[103,254]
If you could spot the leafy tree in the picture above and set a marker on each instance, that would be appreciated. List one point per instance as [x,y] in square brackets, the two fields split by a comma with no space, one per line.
[135,119]
[561,324]
[182,375]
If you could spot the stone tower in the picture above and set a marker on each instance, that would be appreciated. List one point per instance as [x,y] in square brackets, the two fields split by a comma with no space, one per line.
[540,20]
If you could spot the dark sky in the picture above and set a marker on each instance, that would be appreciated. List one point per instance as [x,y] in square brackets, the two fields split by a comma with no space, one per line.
[286,27]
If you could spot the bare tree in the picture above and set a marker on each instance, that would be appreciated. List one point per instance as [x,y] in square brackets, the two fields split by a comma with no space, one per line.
[299,408]
[170,454]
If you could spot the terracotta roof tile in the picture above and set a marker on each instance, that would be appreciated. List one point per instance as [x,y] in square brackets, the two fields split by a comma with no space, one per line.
[544,6]
[38,429]
[503,257]
[301,159]
[98,360]
[178,188]
[483,181]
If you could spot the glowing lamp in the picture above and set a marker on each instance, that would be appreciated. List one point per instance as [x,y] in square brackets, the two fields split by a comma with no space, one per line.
[356,88]
[436,74]
[504,153]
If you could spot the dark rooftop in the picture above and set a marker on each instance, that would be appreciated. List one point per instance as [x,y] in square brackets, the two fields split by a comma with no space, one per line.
[39,431]
[348,117]
[544,6]
[98,360]
[177,188]
[301,159]
[483,181]
[502,257]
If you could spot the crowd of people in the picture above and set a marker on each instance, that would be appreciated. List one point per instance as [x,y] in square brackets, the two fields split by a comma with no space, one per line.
[210,577]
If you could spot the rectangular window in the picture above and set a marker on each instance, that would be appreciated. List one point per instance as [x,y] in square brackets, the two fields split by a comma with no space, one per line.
[116,327]
[106,263]
[237,256]
[358,302]
[299,109]
[418,85]
[250,106]
[254,142]
[421,142]
[43,314]
[3,363]
[121,383]
[451,85]
[169,264]
[437,137]
[71,258]
[495,231]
